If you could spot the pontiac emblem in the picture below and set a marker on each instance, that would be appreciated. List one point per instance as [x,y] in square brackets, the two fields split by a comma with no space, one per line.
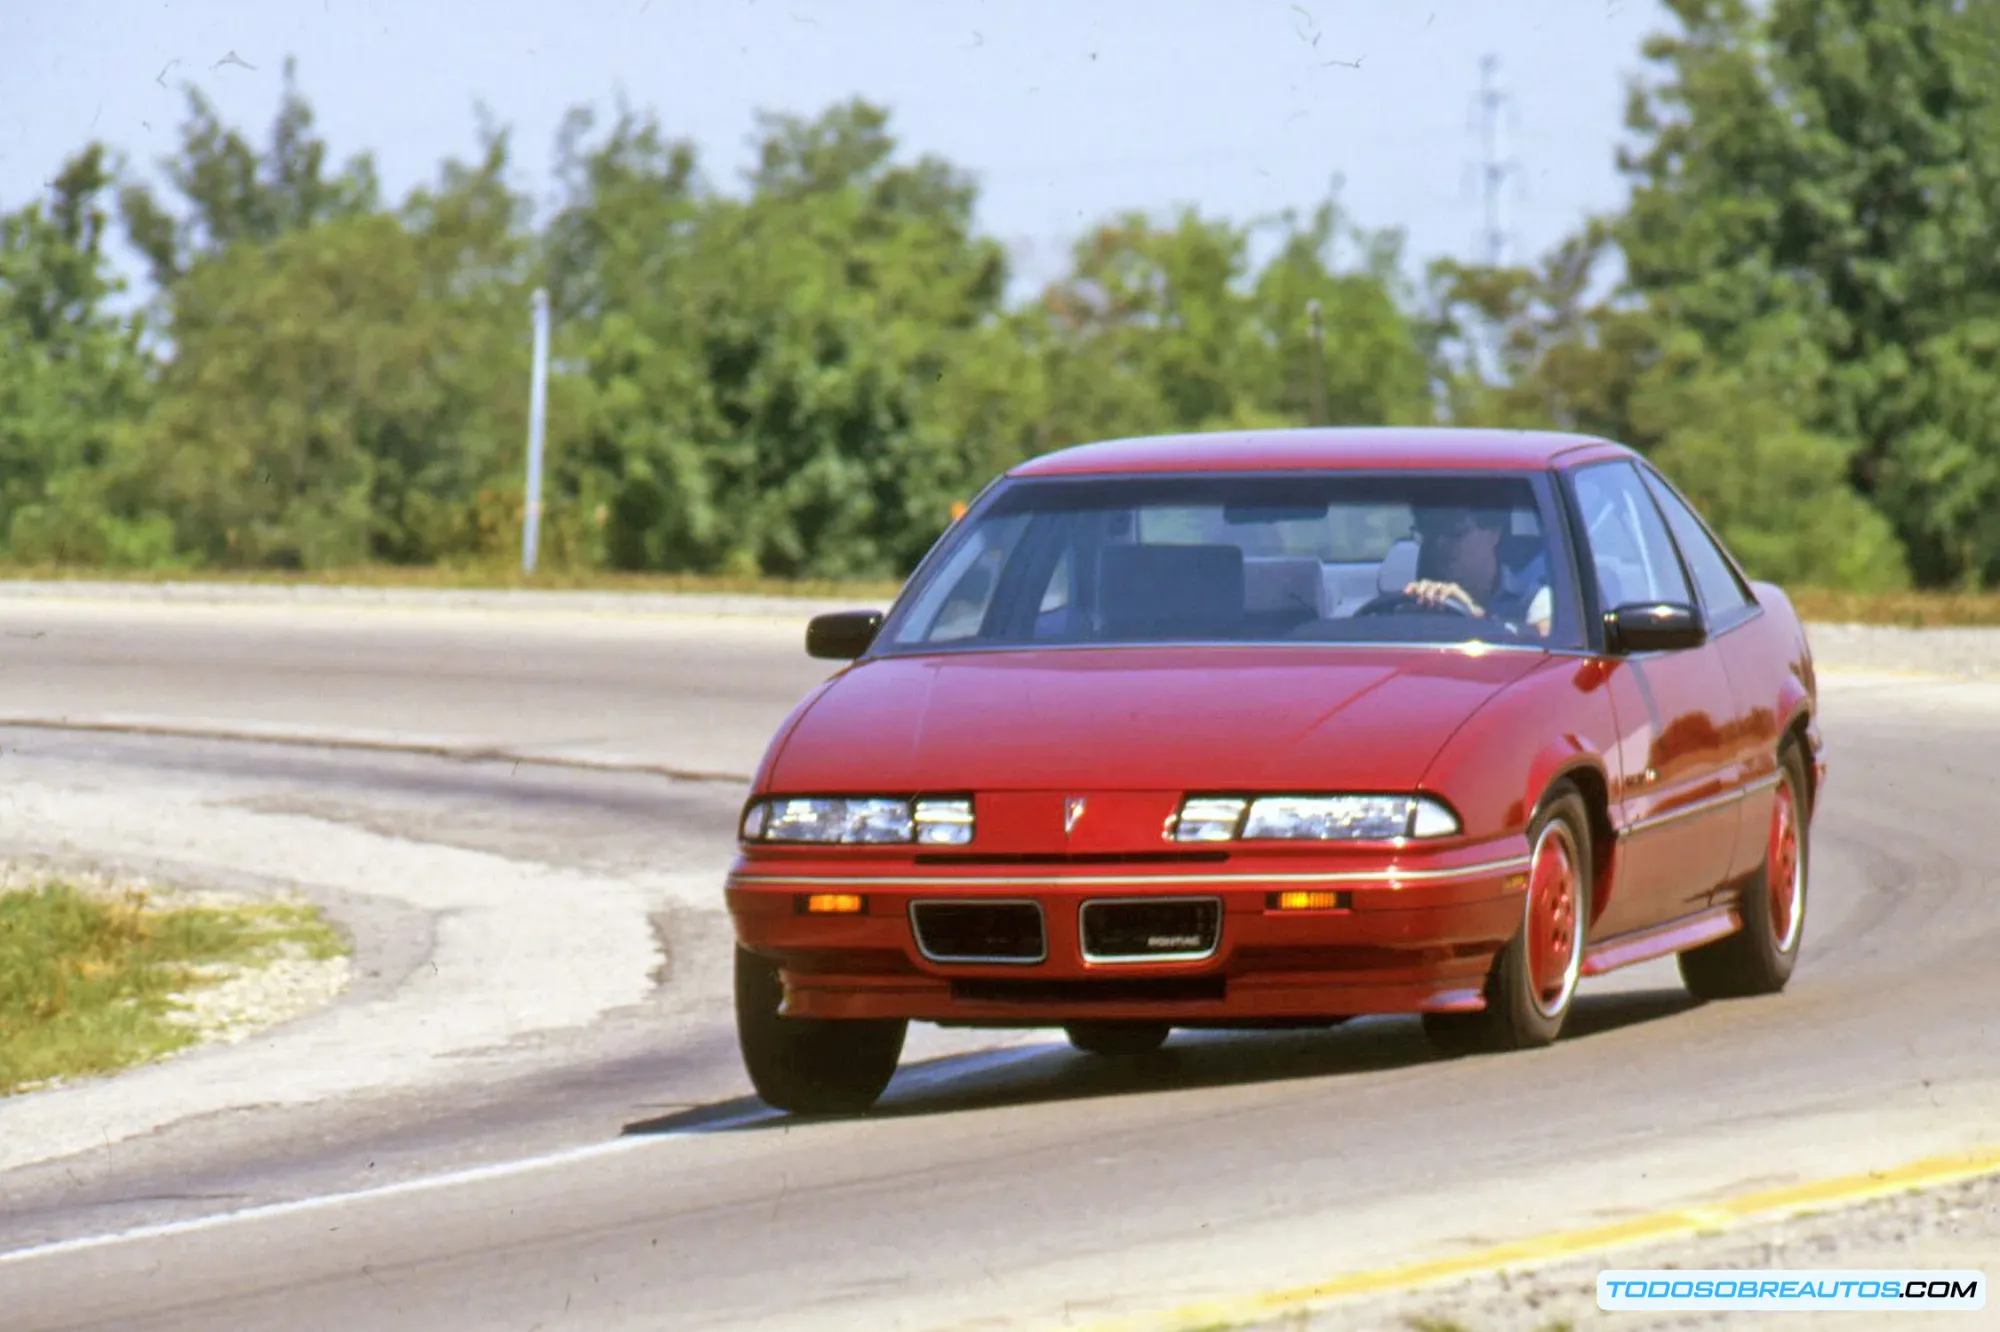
[1072,811]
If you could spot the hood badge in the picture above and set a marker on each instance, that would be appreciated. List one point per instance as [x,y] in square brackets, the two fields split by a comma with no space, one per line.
[1072,811]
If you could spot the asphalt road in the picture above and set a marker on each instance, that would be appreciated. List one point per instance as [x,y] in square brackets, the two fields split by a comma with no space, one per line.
[622,1177]
[699,695]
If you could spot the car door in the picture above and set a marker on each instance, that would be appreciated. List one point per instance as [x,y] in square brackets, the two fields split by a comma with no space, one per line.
[1676,767]
[1755,675]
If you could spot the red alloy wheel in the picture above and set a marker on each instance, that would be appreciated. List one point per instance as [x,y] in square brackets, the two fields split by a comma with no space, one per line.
[1555,956]
[1782,867]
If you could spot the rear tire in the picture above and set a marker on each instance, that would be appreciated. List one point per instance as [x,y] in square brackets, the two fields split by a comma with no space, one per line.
[1759,958]
[1532,985]
[810,1066]
[1118,1040]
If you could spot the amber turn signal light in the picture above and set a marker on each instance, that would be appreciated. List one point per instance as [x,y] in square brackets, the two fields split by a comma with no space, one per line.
[832,904]
[1307,900]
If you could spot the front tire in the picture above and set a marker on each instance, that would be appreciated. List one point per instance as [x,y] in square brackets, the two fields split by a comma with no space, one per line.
[1759,958]
[1118,1040]
[810,1066]
[1532,986]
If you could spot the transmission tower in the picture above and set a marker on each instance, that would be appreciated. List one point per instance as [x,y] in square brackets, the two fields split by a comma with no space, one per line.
[1494,166]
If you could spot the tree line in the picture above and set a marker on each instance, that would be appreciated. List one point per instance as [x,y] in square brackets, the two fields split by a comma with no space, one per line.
[1796,311]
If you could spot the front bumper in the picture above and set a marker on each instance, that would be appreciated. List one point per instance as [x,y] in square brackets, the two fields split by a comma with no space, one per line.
[1404,935]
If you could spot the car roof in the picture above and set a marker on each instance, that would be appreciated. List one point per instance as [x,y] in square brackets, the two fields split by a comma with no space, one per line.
[1444,448]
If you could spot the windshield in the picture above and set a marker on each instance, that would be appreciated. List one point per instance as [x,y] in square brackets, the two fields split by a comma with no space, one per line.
[1401,557]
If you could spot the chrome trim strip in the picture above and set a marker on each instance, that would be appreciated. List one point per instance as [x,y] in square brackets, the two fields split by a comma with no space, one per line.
[1123,959]
[1483,869]
[1041,928]
[1706,805]
[1768,782]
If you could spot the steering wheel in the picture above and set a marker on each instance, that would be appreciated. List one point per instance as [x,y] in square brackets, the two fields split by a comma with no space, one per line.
[1402,603]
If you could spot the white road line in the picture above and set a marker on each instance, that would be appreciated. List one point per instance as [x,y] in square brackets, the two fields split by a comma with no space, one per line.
[924,1076]
[424,1184]
[927,1075]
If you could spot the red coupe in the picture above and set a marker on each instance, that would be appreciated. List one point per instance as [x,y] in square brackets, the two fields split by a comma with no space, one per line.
[1278,728]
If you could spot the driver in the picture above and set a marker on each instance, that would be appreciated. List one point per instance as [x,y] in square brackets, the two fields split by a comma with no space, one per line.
[1458,560]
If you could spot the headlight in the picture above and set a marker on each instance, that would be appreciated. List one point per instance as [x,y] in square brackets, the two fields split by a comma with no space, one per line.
[931,821]
[1312,818]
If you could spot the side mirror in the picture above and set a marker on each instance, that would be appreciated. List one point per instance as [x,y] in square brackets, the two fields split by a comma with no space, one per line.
[1665,626]
[841,635]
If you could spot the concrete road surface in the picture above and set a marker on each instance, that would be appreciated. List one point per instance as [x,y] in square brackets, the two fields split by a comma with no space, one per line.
[695,693]
[596,1160]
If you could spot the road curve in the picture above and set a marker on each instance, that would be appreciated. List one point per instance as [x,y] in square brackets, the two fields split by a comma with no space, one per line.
[692,693]
[633,1183]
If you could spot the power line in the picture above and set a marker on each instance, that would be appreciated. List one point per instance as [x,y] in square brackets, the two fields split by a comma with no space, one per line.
[1494,166]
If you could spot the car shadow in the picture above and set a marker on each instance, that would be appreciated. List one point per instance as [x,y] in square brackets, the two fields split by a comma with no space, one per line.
[1053,1071]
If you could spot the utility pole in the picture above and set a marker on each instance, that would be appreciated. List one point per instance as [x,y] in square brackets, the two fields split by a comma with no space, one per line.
[1494,167]
[538,403]
[1317,332]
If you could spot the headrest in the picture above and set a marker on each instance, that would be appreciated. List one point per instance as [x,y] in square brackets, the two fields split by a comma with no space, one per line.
[1517,552]
[1399,567]
[1170,590]
[1284,583]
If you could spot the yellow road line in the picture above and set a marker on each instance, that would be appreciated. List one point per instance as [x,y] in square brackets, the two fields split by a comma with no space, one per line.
[1678,1223]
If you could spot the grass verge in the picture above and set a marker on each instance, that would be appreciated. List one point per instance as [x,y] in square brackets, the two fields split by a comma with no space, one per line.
[95,981]
[1910,610]
[472,578]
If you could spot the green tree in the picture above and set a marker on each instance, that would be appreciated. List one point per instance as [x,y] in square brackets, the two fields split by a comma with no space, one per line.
[1730,435]
[1544,346]
[72,378]
[1376,363]
[345,380]
[765,370]
[1173,327]
[233,194]
[1836,164]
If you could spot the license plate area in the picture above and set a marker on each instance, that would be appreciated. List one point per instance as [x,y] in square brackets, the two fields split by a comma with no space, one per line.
[1150,929]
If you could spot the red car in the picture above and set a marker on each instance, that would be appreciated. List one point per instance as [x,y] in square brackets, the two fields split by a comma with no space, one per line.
[1278,728]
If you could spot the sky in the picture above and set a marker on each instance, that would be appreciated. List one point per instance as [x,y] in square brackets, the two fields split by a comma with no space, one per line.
[1065,110]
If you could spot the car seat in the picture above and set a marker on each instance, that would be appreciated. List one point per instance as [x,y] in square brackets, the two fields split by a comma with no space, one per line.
[1151,591]
[1399,567]
[1284,589]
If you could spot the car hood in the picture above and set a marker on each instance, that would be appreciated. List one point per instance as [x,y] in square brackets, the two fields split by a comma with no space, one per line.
[1152,719]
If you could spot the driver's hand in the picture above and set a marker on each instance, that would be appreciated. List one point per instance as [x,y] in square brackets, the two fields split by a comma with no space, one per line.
[1431,592]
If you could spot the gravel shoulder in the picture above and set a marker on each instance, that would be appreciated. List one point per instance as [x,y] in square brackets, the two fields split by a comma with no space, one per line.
[1955,1227]
[1969,653]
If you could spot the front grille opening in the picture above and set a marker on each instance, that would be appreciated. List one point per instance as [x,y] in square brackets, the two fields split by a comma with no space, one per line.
[979,931]
[1141,929]
[1125,990]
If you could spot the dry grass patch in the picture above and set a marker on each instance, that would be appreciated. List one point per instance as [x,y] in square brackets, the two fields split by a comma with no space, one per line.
[482,577]
[96,976]
[1911,610]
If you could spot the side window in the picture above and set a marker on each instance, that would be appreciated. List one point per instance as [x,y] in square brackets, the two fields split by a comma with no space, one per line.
[1723,595]
[954,606]
[1631,555]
